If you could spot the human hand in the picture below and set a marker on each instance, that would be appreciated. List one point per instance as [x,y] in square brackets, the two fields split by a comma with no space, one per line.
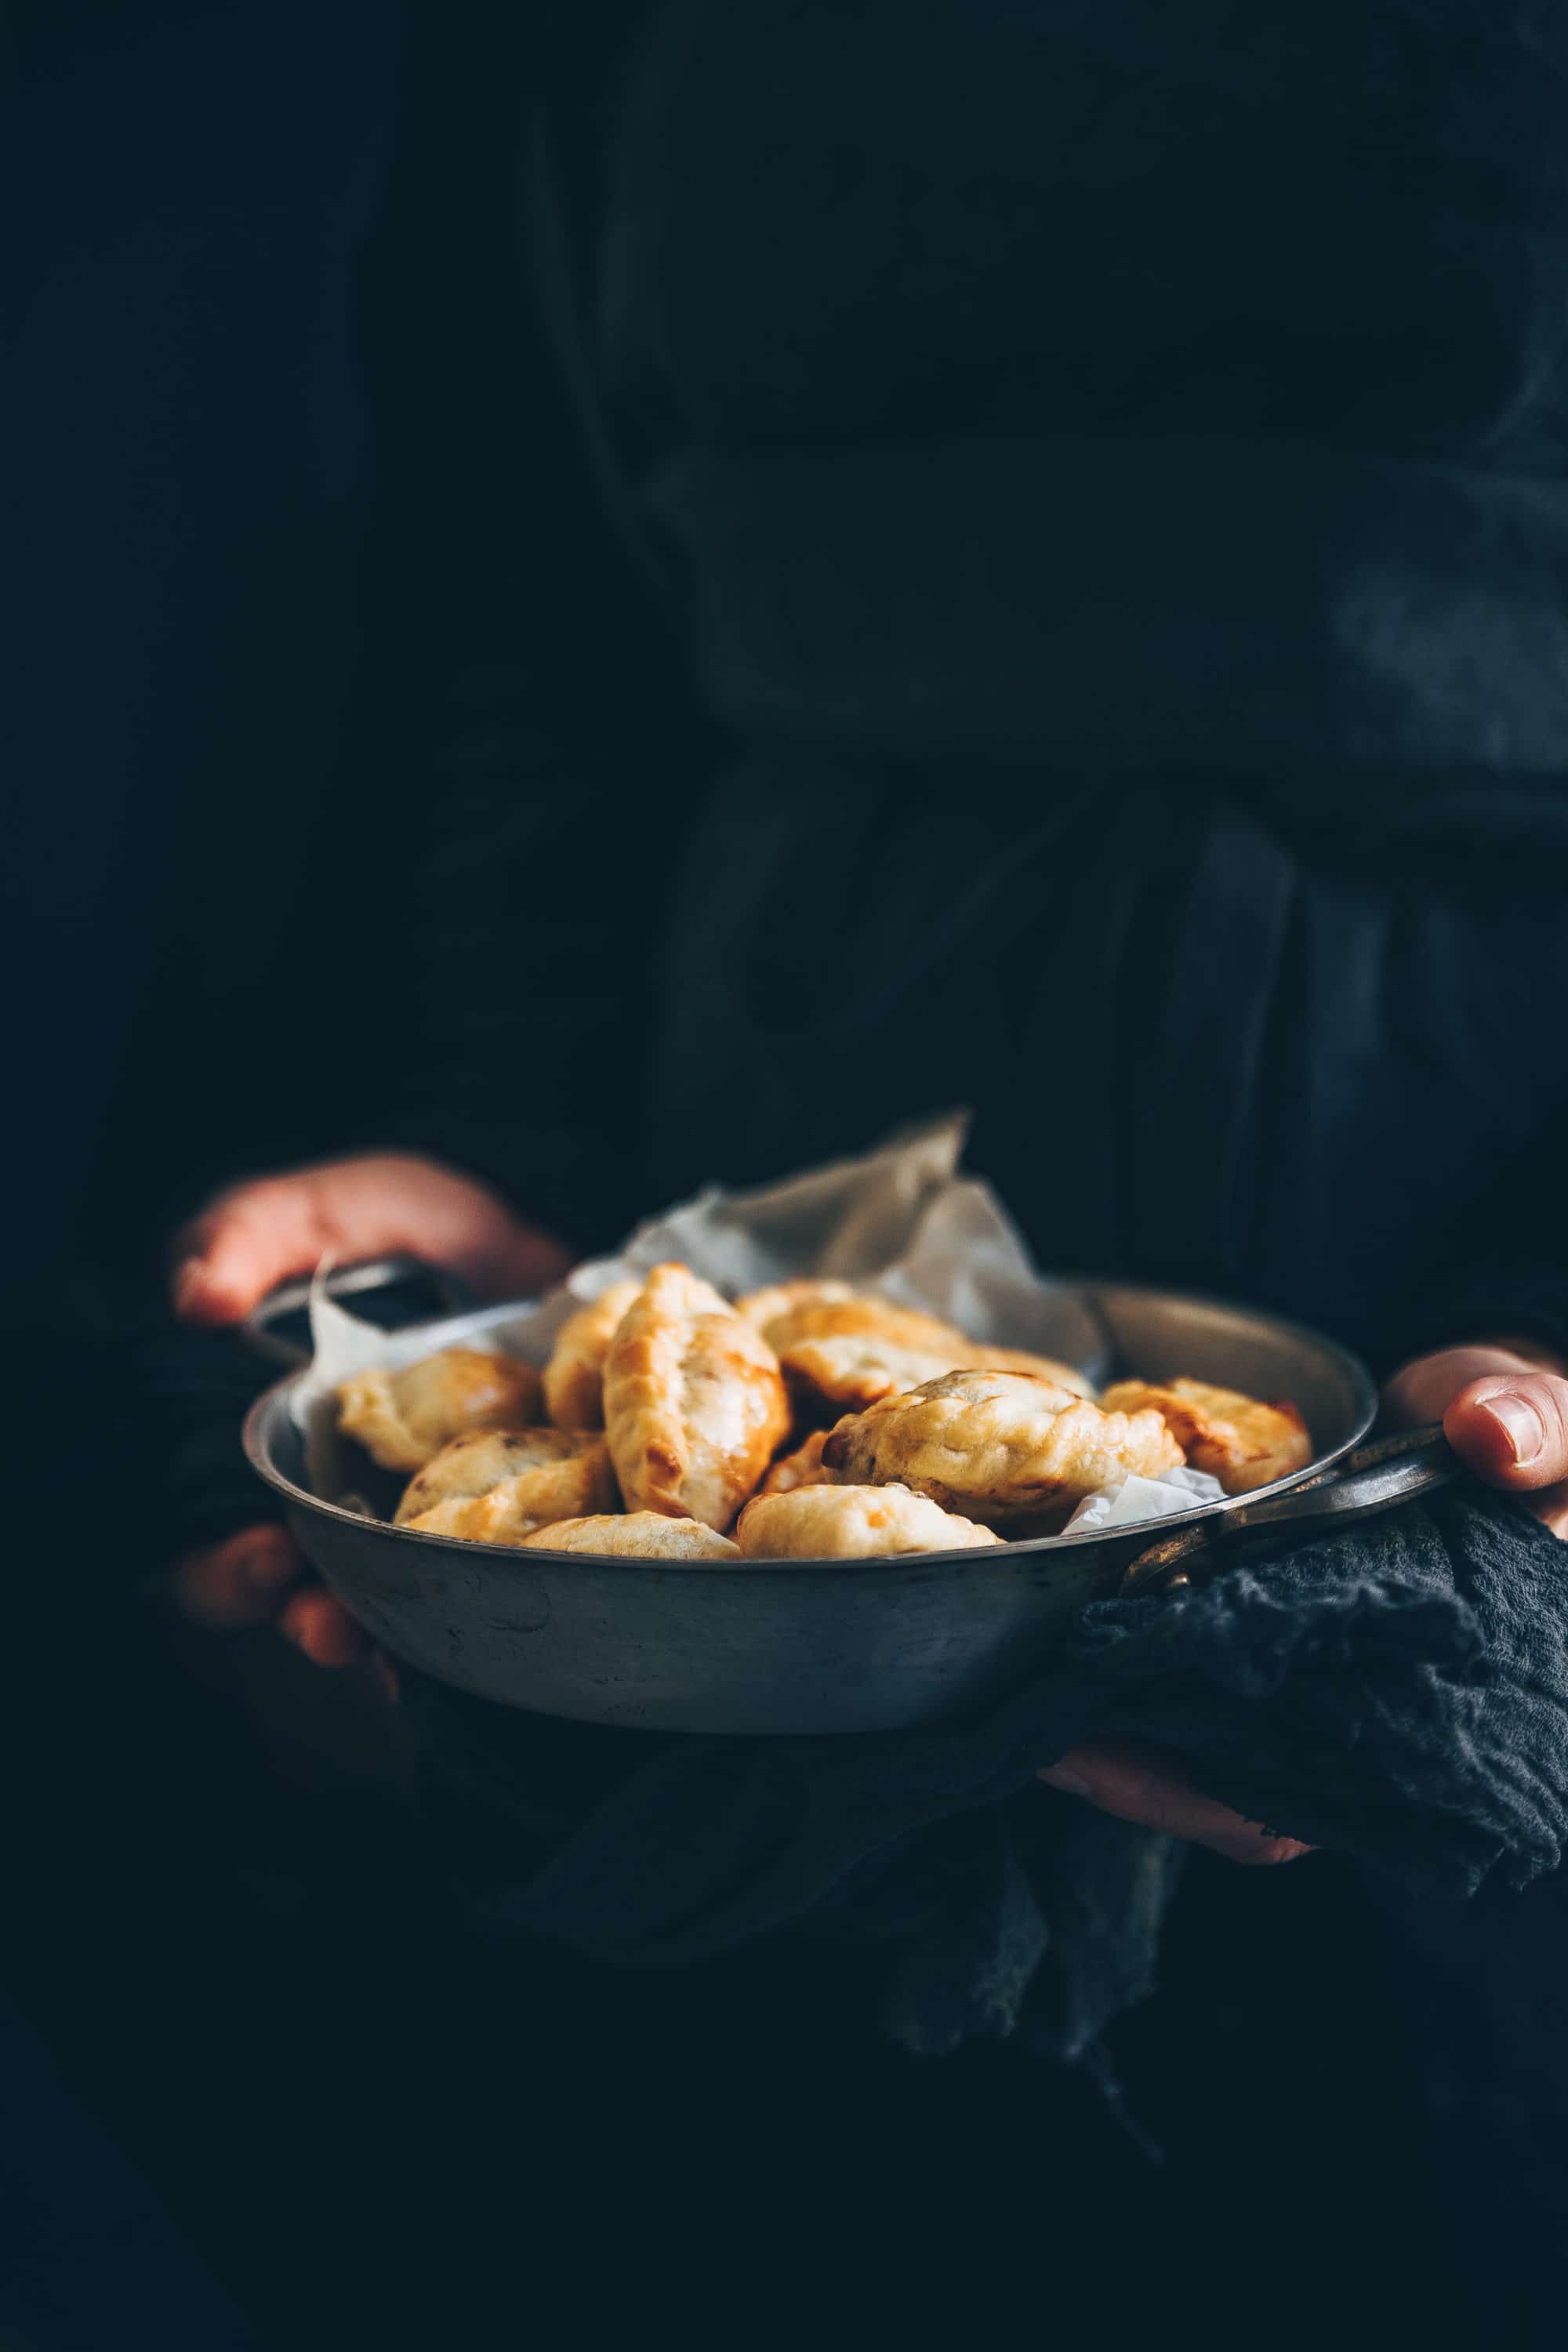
[260,1232]
[1503,1404]
[260,1577]
[1150,1785]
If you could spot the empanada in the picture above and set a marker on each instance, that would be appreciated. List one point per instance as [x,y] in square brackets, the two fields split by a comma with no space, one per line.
[634,1534]
[1008,1448]
[694,1401]
[846,1372]
[851,1523]
[848,1353]
[497,1486]
[766,1309]
[574,1376]
[1023,1359]
[803,1467]
[1236,1439]
[403,1419]
[838,1355]
[862,1315]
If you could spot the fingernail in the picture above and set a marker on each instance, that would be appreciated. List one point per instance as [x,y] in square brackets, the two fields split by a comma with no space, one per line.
[1526,1430]
[1072,1783]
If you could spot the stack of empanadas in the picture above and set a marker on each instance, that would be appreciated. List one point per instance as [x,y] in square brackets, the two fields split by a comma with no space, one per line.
[809,1420]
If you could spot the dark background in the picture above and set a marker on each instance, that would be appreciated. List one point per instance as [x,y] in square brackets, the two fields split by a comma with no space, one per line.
[239,278]
[258,519]
[266,394]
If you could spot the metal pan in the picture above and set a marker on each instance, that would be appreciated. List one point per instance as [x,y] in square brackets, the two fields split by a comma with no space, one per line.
[807,1646]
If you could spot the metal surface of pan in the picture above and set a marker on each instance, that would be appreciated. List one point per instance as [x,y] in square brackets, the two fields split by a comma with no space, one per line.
[802,1646]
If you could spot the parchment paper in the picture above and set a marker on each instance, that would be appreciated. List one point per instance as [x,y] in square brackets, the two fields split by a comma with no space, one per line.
[902,1221]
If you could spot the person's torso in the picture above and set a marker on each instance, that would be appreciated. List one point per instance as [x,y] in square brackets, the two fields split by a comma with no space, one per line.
[1105,468]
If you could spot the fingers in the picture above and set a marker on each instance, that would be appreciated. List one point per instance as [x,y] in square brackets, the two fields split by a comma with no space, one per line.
[1550,1506]
[263,1232]
[249,1241]
[244,1580]
[322,1628]
[1503,1412]
[1511,1428]
[254,1579]
[1144,1785]
[1424,1390]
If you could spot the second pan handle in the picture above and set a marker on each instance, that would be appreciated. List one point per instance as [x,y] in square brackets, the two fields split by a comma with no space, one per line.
[1375,1478]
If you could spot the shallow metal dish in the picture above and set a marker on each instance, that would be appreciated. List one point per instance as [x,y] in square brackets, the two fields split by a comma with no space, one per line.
[831,1646]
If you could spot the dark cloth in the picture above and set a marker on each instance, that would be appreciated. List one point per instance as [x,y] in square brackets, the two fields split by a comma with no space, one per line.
[90,2252]
[1398,1695]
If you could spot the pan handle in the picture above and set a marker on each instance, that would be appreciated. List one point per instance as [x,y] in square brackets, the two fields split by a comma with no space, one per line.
[438,1291]
[1402,1468]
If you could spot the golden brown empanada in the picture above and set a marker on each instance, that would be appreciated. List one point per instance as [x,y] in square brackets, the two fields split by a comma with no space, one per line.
[764,1310]
[403,1419]
[496,1486]
[838,1355]
[846,1354]
[1008,1448]
[634,1534]
[694,1401]
[574,1376]
[981,1358]
[851,1523]
[844,1372]
[863,1315]
[1236,1439]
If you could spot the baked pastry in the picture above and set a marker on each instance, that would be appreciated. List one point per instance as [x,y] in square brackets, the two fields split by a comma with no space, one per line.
[845,1371]
[838,1355]
[803,1467]
[981,1358]
[851,1523]
[694,1401]
[495,1485]
[847,1354]
[1008,1448]
[1236,1439]
[863,1315]
[403,1419]
[768,1309]
[634,1534]
[574,1376]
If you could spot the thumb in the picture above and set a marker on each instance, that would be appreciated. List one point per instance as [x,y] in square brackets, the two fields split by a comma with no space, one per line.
[1511,1429]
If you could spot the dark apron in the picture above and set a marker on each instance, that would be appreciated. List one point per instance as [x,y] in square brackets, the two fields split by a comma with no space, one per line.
[1190,805]
[1246,967]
